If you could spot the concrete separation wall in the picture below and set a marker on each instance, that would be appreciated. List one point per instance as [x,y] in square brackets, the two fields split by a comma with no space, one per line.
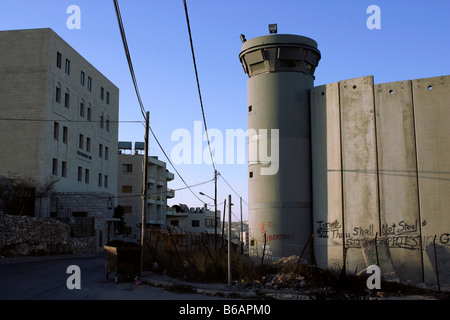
[327,175]
[380,166]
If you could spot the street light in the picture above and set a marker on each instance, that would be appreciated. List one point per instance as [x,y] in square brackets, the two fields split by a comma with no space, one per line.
[206,195]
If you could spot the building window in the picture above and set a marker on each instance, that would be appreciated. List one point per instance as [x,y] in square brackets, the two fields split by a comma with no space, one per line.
[107,97]
[102,93]
[56,131]
[250,174]
[106,153]
[88,144]
[55,167]
[81,141]
[195,223]
[89,86]
[67,99]
[86,175]
[107,124]
[106,181]
[100,150]
[127,168]
[67,66]
[174,223]
[82,78]
[127,189]
[89,113]
[58,59]
[58,93]
[102,119]
[80,174]
[100,179]
[65,134]
[249,108]
[82,109]
[64,169]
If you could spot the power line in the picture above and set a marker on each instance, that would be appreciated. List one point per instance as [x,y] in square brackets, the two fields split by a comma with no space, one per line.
[140,195]
[66,120]
[168,159]
[124,40]
[232,188]
[127,53]
[194,185]
[198,82]
[167,191]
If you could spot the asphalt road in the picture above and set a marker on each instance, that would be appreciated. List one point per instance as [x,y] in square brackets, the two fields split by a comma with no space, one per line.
[46,279]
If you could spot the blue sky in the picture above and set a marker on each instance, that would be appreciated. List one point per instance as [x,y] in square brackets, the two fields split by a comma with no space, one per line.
[413,42]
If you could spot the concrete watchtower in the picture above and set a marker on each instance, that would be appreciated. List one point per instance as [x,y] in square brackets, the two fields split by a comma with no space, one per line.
[281,73]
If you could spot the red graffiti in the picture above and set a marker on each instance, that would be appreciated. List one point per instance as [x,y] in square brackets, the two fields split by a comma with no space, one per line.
[281,236]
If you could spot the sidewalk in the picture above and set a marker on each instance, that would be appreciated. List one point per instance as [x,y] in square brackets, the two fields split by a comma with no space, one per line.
[209,289]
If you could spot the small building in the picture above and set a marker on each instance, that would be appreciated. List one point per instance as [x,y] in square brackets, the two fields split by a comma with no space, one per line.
[182,219]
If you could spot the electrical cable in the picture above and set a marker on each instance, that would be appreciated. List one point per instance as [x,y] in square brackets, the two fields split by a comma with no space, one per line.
[168,159]
[127,53]
[67,120]
[198,82]
[232,188]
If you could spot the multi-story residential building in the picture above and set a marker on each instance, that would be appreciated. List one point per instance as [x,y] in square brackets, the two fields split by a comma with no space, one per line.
[183,219]
[130,185]
[59,120]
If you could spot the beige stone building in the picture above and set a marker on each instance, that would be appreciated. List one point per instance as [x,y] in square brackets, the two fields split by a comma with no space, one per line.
[196,220]
[59,120]
[130,175]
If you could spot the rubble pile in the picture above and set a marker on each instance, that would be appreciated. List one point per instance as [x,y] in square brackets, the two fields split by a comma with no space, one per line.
[25,236]
[294,280]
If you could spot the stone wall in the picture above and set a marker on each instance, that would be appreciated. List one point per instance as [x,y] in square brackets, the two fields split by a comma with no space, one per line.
[25,236]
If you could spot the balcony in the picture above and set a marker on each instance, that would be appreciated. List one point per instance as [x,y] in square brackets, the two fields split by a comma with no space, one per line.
[169,175]
[156,199]
[170,193]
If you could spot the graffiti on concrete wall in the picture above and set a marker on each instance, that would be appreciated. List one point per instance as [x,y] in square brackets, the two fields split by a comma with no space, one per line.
[404,234]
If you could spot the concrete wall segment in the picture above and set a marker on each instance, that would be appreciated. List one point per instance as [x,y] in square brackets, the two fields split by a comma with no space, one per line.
[432,116]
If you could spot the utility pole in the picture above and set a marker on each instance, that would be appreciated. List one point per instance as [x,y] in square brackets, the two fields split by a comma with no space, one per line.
[229,239]
[144,189]
[215,208]
[223,219]
[242,230]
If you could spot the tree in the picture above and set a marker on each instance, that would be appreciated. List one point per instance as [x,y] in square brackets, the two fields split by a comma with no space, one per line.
[18,193]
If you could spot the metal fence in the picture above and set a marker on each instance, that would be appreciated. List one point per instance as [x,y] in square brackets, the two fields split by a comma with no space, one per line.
[172,250]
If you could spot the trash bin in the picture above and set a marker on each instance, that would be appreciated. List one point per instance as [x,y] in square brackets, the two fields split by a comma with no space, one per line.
[123,259]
